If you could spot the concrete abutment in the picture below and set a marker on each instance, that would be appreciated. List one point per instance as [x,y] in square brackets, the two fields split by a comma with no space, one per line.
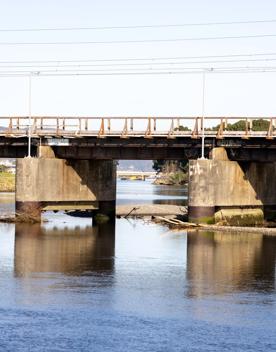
[48,183]
[230,192]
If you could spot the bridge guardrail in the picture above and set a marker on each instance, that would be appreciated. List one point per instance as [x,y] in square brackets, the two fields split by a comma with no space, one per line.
[146,127]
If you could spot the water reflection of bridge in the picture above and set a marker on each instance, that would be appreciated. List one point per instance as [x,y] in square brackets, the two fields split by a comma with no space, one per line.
[66,250]
[218,263]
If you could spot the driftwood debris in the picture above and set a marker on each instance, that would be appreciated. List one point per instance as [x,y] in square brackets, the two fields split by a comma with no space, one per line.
[132,210]
[175,222]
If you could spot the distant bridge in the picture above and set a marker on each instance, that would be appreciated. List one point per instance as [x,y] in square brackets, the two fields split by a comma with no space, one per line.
[140,175]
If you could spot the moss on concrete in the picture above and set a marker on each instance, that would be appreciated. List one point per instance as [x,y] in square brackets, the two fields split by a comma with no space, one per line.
[209,220]
[240,217]
[233,217]
[101,218]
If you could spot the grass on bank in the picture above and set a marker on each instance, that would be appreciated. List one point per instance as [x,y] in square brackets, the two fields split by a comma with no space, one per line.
[7,182]
[179,178]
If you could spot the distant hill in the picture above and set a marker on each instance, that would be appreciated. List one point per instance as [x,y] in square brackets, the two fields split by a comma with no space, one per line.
[135,165]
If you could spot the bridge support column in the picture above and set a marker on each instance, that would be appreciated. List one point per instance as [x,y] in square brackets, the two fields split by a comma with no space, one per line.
[233,193]
[107,208]
[59,184]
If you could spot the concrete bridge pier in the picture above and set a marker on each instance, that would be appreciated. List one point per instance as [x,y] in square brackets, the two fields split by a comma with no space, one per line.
[49,183]
[229,192]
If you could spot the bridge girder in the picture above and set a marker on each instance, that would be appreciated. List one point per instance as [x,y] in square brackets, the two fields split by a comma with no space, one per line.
[112,148]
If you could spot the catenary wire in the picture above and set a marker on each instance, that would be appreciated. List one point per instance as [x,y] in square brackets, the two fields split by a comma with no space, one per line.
[137,64]
[142,71]
[140,59]
[137,26]
[169,40]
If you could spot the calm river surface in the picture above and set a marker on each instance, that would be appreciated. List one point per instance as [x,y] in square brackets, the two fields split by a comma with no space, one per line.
[68,286]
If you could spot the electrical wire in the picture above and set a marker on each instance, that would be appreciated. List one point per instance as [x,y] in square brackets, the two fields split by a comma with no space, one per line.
[231,69]
[174,63]
[170,40]
[135,73]
[138,59]
[137,26]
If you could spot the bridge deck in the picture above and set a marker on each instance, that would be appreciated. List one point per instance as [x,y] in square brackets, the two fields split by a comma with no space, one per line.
[17,133]
[140,138]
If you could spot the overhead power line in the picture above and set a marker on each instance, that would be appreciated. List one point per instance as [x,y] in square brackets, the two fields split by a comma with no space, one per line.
[140,40]
[271,70]
[151,59]
[137,73]
[136,26]
[151,64]
[144,70]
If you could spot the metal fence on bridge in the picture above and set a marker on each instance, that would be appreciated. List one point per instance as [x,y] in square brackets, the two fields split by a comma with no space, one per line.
[145,127]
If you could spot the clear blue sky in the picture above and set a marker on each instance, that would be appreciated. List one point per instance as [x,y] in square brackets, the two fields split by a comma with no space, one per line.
[242,94]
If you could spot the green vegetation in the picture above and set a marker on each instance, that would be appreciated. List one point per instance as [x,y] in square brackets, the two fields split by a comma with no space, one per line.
[101,218]
[3,168]
[209,220]
[257,125]
[7,181]
[240,217]
[169,166]
[171,172]
[182,128]
[178,178]
[158,165]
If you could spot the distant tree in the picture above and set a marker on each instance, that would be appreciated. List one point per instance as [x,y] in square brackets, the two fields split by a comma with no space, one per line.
[236,126]
[182,128]
[260,125]
[184,165]
[3,168]
[257,125]
[168,166]
[158,165]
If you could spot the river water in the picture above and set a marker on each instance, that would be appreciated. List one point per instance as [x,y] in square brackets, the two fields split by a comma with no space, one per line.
[136,286]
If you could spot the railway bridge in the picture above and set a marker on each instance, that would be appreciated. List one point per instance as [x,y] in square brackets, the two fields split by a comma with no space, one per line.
[68,162]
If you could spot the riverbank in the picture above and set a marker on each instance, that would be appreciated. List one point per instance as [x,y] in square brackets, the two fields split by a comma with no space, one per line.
[227,229]
[172,216]
[150,210]
[7,182]
[171,178]
[175,217]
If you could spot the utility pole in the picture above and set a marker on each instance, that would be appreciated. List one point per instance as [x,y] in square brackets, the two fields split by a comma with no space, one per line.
[202,116]
[30,115]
